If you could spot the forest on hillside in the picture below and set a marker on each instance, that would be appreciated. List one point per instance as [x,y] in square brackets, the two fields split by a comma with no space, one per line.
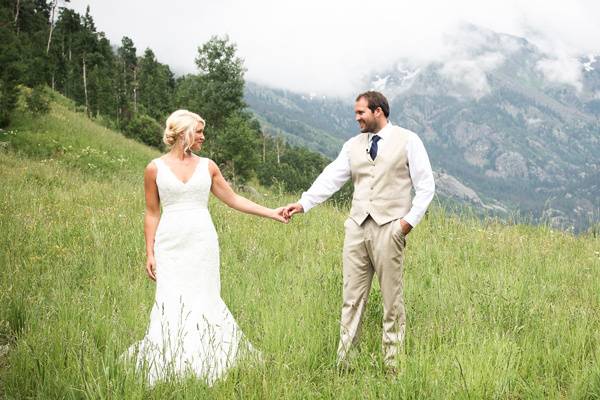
[47,46]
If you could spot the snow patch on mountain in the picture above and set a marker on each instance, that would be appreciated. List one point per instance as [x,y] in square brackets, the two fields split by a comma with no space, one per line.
[588,65]
[380,82]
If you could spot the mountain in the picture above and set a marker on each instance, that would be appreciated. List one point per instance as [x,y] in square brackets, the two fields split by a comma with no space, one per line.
[507,127]
[319,123]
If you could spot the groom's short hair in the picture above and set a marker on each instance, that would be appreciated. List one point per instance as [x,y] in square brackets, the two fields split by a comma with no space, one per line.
[375,99]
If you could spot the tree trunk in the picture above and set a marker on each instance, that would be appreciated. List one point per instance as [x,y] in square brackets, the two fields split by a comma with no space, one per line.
[87,105]
[264,155]
[17,15]
[278,150]
[54,3]
[53,82]
[233,173]
[124,102]
[135,90]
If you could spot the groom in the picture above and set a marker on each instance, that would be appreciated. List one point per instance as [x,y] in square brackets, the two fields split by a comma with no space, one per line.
[384,162]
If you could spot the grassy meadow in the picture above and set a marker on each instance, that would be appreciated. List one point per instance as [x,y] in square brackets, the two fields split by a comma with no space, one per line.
[493,310]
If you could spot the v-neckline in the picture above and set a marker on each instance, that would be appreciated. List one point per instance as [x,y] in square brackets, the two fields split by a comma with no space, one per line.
[176,177]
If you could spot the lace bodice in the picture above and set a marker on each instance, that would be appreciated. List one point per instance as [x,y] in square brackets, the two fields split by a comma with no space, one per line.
[174,194]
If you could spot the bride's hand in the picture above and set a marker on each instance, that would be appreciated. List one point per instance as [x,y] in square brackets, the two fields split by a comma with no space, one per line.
[279,215]
[151,268]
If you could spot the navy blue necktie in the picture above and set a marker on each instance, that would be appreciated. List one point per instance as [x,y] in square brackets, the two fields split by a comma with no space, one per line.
[373,151]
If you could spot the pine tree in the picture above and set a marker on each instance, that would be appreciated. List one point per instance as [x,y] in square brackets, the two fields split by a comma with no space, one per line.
[11,69]
[156,86]
[32,27]
[127,60]
[65,55]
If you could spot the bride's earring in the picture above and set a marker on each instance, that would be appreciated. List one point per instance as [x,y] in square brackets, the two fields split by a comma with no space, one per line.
[183,145]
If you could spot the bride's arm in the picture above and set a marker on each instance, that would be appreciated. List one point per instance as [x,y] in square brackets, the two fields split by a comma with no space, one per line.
[151,216]
[221,189]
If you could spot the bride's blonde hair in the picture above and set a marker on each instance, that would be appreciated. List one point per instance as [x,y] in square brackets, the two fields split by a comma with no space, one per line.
[181,124]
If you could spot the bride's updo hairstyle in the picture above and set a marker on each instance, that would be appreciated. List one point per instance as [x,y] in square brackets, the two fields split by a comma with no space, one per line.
[181,125]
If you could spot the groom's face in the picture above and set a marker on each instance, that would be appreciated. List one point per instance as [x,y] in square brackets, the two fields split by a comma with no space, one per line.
[364,116]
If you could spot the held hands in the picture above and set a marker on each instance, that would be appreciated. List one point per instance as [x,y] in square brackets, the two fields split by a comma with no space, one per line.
[291,209]
[284,214]
[280,215]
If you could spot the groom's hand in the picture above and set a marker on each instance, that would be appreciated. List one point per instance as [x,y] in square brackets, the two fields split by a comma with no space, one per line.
[281,215]
[293,208]
[406,227]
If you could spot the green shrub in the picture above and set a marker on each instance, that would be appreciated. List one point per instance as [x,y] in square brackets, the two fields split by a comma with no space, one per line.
[145,129]
[37,102]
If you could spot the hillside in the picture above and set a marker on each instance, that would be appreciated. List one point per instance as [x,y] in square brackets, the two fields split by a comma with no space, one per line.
[318,124]
[497,115]
[494,310]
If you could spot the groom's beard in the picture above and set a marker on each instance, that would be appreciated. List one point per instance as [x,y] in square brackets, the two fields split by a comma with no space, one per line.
[369,127]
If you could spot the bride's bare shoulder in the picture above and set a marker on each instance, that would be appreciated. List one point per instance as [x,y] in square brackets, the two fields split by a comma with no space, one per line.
[212,166]
[151,169]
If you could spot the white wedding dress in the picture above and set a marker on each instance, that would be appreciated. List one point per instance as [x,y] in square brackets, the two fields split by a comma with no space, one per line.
[191,329]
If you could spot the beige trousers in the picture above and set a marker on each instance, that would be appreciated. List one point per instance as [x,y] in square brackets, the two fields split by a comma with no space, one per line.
[370,248]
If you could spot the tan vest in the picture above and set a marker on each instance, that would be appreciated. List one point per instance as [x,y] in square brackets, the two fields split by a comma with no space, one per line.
[382,188]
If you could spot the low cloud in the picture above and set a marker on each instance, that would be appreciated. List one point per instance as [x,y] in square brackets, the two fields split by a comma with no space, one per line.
[565,70]
[471,74]
[327,47]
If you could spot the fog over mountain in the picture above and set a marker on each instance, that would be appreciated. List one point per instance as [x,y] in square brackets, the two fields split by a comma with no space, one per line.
[328,47]
[507,127]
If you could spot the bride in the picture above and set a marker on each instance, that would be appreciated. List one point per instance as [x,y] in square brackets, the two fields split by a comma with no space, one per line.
[191,329]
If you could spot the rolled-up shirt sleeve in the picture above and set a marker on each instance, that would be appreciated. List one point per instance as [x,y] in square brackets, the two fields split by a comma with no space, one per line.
[422,179]
[329,181]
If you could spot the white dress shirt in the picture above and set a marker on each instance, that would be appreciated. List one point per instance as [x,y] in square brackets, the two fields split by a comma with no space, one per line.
[338,172]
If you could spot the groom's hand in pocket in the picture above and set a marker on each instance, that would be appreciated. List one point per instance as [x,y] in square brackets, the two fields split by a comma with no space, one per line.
[406,227]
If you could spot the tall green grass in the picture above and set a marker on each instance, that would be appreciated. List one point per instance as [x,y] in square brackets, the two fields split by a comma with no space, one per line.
[494,311]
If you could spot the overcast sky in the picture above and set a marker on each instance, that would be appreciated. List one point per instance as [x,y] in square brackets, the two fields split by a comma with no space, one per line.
[327,46]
